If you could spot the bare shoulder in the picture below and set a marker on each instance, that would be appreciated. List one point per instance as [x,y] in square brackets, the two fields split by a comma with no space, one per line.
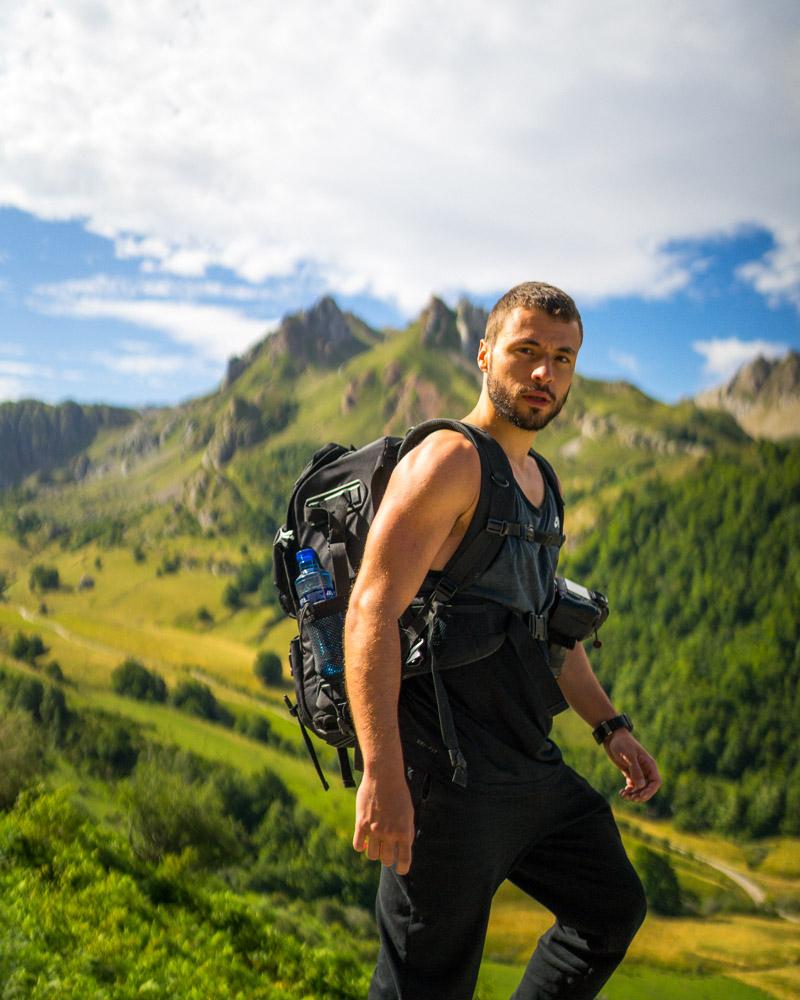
[445,460]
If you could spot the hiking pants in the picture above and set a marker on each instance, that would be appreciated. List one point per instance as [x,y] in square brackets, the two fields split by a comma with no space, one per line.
[558,843]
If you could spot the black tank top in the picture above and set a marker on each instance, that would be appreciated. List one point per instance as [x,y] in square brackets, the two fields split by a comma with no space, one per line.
[501,724]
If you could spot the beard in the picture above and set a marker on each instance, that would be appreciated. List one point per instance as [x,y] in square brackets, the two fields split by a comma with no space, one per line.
[516,411]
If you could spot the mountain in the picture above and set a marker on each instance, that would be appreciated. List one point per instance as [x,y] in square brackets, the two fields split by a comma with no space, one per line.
[227,460]
[763,396]
[35,437]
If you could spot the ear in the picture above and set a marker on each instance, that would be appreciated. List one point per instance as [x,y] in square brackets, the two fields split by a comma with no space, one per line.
[483,356]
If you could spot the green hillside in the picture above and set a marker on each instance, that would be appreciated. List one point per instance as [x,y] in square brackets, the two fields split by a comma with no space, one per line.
[153,543]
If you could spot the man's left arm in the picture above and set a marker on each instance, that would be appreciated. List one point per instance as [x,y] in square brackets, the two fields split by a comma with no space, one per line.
[585,695]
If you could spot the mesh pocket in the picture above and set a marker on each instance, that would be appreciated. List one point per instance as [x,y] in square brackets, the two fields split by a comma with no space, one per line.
[325,638]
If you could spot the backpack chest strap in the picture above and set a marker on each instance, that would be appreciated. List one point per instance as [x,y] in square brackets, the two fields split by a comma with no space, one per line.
[526,531]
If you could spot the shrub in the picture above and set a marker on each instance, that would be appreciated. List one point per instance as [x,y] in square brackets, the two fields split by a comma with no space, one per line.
[21,755]
[204,615]
[169,815]
[197,698]
[232,597]
[3,583]
[104,744]
[54,671]
[660,882]
[268,667]
[44,578]
[134,680]
[27,648]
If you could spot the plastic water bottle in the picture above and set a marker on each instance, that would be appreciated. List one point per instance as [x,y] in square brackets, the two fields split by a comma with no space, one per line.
[314,584]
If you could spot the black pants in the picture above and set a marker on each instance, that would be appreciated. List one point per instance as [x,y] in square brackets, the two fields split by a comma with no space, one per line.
[559,844]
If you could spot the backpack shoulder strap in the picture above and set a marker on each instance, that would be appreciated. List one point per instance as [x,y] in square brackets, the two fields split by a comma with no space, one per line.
[479,547]
[551,479]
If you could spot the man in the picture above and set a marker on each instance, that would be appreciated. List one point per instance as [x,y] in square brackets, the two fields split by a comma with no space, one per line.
[524,815]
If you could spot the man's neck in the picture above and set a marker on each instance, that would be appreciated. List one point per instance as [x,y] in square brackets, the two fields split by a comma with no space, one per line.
[515,441]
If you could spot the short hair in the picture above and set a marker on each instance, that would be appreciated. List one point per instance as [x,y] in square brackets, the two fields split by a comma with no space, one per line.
[532,295]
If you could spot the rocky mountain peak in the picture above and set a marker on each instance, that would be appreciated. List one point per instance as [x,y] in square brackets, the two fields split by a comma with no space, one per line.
[321,335]
[763,396]
[439,326]
[471,325]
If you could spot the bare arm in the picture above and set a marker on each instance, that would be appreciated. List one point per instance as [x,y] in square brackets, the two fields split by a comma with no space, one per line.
[429,491]
[585,695]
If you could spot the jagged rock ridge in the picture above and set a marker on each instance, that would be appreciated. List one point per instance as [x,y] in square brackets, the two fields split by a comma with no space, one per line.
[763,396]
[35,437]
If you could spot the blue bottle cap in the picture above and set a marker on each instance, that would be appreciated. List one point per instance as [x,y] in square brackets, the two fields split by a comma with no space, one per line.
[306,558]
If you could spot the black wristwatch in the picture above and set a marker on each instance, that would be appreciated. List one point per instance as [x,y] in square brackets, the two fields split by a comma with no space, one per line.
[605,729]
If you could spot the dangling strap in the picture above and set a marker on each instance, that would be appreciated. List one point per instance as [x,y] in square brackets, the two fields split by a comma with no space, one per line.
[447,726]
[309,745]
[344,766]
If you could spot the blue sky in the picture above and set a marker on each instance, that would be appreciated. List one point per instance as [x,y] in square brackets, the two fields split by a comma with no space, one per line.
[174,179]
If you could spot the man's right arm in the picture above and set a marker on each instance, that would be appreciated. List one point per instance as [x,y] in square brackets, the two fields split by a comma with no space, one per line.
[429,491]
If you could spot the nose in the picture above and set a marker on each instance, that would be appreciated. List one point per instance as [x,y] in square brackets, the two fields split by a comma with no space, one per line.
[542,370]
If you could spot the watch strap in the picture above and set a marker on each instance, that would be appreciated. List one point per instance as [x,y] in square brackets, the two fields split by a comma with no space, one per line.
[605,729]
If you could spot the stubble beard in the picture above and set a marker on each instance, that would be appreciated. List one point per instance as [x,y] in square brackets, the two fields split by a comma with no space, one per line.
[515,410]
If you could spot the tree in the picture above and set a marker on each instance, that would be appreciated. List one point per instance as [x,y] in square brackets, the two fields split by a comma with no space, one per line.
[660,882]
[268,667]
[197,698]
[21,755]
[44,578]
[134,680]
[232,597]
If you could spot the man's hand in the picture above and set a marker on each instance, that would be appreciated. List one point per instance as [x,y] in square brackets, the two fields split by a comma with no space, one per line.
[642,779]
[385,821]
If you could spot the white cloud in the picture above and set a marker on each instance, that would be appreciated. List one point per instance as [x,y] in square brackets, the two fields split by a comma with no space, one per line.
[624,360]
[141,364]
[404,148]
[725,356]
[11,388]
[7,348]
[215,332]
[23,369]
[777,274]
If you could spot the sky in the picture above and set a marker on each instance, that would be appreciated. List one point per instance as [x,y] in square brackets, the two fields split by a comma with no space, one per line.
[176,177]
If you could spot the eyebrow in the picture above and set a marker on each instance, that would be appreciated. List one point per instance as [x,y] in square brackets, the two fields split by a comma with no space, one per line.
[566,349]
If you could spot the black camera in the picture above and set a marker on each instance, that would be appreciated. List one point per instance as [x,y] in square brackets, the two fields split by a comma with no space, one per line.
[575,614]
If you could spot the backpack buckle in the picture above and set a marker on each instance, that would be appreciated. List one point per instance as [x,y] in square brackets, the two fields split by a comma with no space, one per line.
[537,625]
[444,590]
[284,536]
[496,526]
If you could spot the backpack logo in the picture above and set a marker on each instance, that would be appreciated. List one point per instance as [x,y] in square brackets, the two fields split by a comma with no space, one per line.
[557,523]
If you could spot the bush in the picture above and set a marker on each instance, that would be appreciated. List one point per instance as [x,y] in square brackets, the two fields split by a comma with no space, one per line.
[204,615]
[232,597]
[27,648]
[21,755]
[44,578]
[268,667]
[134,680]
[3,583]
[197,698]
[660,882]
[169,815]
[54,671]
[104,744]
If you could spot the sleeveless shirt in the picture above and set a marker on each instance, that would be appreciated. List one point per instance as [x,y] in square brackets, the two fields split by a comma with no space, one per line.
[501,724]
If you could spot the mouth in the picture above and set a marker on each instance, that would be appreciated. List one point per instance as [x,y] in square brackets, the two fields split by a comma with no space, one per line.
[537,398]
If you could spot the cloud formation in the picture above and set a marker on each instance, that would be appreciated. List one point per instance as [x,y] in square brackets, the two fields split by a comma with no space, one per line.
[214,331]
[725,356]
[403,148]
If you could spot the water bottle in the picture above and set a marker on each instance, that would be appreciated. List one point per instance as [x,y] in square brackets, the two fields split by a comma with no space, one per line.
[314,584]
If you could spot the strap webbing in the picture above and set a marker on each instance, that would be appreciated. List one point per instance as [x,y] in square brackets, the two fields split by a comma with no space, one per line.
[309,745]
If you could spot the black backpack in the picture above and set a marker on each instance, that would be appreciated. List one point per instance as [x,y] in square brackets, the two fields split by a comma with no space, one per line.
[332,506]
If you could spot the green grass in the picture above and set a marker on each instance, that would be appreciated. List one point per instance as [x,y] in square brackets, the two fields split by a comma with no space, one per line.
[631,982]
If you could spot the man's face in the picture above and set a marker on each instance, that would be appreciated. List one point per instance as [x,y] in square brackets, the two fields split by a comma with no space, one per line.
[529,367]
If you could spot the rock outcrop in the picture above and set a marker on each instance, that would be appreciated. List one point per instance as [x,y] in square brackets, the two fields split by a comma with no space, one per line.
[763,397]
